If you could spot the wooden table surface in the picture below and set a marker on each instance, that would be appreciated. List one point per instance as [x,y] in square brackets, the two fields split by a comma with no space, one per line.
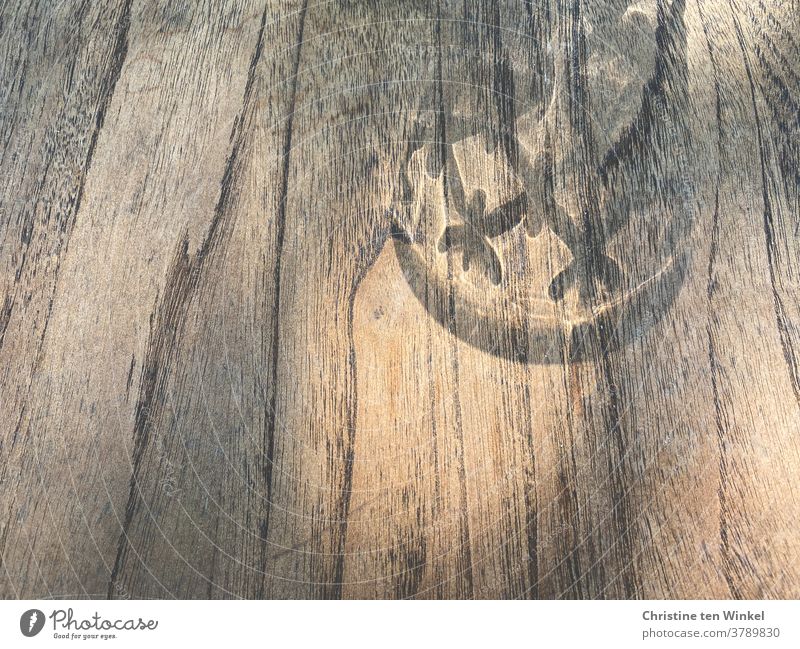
[397,299]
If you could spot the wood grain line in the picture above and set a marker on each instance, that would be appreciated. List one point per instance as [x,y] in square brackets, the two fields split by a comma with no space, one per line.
[283,191]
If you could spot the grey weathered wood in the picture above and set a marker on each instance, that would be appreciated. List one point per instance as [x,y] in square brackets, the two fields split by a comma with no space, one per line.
[219,377]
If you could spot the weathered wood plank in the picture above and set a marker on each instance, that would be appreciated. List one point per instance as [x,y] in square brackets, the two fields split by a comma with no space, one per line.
[401,299]
[198,499]
[60,69]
